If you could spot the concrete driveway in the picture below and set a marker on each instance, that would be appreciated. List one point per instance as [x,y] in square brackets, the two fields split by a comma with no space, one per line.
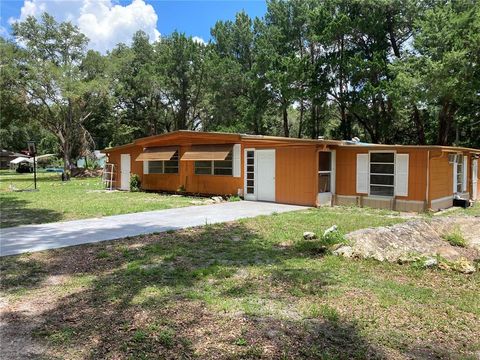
[30,238]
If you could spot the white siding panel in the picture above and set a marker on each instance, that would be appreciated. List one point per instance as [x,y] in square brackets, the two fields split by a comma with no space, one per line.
[362,173]
[236,160]
[145,167]
[465,172]
[401,175]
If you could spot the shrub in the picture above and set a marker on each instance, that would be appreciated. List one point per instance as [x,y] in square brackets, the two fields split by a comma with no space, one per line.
[234,198]
[135,182]
[332,238]
[455,238]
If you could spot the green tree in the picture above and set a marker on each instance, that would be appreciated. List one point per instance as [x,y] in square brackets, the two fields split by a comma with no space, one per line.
[53,81]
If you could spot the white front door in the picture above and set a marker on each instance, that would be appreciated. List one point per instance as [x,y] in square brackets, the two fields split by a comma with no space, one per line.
[125,171]
[475,179]
[265,175]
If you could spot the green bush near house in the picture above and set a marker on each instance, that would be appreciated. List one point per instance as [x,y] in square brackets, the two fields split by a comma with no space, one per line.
[135,183]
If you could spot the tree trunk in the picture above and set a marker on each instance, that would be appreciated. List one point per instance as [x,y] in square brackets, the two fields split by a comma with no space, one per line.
[445,120]
[300,121]
[418,122]
[286,129]
[391,33]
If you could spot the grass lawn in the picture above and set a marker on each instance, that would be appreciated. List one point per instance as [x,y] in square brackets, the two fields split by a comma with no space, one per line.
[75,199]
[248,289]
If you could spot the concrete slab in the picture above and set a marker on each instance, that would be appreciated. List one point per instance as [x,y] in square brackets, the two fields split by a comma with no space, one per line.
[30,238]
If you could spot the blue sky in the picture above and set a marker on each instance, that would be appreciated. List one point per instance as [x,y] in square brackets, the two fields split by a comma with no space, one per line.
[106,22]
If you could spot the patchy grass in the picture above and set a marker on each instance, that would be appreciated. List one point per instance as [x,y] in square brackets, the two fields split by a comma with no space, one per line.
[75,199]
[239,290]
[455,238]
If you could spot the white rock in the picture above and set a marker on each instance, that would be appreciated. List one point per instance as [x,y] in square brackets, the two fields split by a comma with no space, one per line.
[330,230]
[308,235]
[430,262]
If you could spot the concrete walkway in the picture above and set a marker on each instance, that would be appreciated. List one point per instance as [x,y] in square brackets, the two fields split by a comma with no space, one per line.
[29,238]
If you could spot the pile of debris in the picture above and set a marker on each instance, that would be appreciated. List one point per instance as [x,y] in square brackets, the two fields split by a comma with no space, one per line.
[86,173]
[423,240]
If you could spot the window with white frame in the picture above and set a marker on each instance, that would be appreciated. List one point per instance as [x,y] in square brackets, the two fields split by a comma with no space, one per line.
[164,166]
[382,173]
[460,170]
[324,172]
[215,167]
[250,171]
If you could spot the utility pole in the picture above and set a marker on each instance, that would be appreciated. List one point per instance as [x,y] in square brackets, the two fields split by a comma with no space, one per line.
[33,151]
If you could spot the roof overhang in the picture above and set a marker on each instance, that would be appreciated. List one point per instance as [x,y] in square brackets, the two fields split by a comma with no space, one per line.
[207,152]
[157,153]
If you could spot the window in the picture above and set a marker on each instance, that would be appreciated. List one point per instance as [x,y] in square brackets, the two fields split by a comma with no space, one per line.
[460,173]
[250,171]
[382,173]
[324,171]
[164,166]
[215,167]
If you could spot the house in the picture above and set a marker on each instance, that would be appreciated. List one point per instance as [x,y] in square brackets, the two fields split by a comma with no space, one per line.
[6,156]
[300,171]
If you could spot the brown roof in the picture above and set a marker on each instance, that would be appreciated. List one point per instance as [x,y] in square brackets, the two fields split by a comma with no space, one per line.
[266,138]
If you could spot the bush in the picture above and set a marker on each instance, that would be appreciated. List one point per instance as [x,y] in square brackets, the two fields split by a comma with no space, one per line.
[135,182]
[332,238]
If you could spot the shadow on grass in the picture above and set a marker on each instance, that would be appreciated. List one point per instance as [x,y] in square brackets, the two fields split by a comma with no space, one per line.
[173,295]
[14,212]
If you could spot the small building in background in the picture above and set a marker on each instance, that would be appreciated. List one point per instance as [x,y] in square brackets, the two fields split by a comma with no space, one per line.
[97,158]
[6,156]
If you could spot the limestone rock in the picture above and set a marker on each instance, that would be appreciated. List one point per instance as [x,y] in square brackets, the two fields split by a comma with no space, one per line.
[430,262]
[464,266]
[417,240]
[331,229]
[345,251]
[308,235]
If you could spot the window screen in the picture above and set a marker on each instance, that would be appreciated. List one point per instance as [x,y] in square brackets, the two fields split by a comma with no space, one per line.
[382,173]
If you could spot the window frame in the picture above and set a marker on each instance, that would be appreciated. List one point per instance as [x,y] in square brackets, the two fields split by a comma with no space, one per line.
[393,174]
[176,154]
[460,178]
[213,167]
[325,172]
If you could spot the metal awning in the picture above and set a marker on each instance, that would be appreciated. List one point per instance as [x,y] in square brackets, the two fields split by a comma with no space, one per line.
[157,153]
[207,152]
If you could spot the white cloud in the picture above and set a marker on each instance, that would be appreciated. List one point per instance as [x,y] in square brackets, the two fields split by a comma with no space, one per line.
[199,40]
[3,31]
[103,22]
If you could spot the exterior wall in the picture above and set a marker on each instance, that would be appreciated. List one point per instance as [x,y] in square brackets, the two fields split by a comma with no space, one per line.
[296,175]
[441,179]
[204,184]
[296,171]
[135,167]
[346,193]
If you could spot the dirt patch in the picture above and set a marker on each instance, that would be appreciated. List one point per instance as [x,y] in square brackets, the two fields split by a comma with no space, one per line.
[415,239]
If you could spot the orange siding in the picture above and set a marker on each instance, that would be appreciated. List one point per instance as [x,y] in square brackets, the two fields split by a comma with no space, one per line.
[441,176]
[346,176]
[417,174]
[296,175]
[347,172]
[296,168]
[205,184]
